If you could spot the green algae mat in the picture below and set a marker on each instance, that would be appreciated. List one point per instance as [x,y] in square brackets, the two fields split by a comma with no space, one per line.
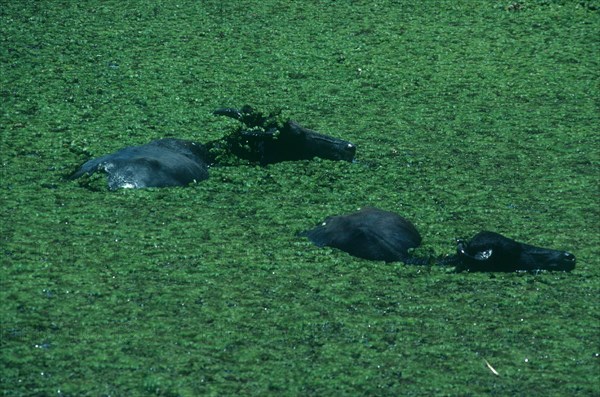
[467,115]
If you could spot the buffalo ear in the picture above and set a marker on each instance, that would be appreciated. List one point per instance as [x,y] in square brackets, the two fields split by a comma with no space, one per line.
[461,246]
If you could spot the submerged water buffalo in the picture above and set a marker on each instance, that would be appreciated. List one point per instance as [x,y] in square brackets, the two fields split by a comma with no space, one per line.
[370,233]
[380,235]
[164,162]
[177,162]
[267,140]
[492,252]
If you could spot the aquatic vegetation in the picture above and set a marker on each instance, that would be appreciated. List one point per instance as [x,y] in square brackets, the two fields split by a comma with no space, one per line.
[468,116]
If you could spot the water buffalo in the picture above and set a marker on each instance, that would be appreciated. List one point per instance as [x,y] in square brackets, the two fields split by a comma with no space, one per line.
[177,162]
[492,252]
[266,140]
[370,233]
[160,163]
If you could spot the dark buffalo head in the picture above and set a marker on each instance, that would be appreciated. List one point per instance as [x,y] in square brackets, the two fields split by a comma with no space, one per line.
[301,143]
[370,233]
[267,140]
[492,252]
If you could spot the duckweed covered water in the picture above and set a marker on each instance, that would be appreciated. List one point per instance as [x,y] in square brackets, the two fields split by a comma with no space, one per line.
[467,116]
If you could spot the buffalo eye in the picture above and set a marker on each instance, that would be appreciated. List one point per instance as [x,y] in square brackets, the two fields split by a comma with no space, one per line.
[484,255]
